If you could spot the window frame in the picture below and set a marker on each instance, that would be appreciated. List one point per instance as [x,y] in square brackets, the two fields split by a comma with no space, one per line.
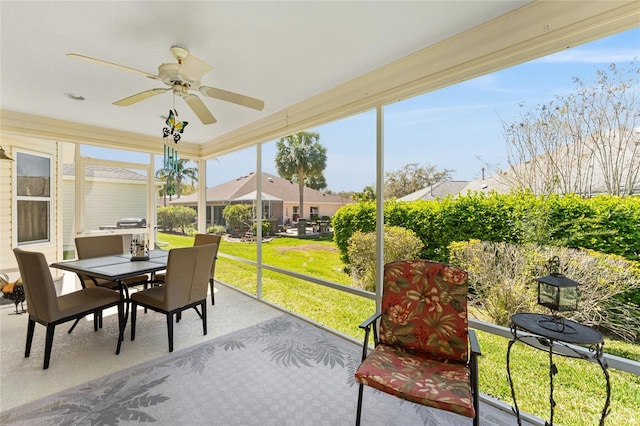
[17,198]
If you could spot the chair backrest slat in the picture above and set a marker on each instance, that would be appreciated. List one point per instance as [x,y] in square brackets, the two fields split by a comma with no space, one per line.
[40,291]
[424,308]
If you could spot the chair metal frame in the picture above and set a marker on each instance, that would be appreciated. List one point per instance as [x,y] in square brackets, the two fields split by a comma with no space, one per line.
[372,323]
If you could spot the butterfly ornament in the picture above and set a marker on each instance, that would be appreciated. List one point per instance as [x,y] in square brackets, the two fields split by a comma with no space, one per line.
[175,128]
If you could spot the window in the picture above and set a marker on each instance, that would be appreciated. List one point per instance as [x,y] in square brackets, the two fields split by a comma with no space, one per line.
[314,212]
[33,198]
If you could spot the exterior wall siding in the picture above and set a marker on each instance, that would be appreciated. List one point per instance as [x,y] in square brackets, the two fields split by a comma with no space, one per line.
[107,202]
[10,143]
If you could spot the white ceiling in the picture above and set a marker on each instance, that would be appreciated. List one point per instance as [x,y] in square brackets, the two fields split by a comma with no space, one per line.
[294,55]
[279,51]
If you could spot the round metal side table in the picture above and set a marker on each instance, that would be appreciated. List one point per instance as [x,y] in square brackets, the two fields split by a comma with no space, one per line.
[556,335]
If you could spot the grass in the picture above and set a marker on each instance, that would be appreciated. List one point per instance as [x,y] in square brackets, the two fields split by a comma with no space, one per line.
[579,385]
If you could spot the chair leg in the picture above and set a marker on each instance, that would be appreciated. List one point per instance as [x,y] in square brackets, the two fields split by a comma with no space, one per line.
[170,330]
[360,390]
[48,344]
[474,389]
[204,317]
[213,294]
[134,309]
[74,325]
[30,328]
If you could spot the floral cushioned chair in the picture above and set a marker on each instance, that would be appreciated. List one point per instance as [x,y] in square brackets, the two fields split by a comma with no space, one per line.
[422,352]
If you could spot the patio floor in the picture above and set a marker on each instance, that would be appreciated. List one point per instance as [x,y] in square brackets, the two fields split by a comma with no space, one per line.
[84,355]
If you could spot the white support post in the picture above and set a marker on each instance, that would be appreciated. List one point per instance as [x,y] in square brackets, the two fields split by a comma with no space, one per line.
[379,205]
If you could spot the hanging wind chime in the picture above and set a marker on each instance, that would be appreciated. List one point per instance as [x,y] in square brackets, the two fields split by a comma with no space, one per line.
[170,138]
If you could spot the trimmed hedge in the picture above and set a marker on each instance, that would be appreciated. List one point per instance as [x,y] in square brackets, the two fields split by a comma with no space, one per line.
[605,223]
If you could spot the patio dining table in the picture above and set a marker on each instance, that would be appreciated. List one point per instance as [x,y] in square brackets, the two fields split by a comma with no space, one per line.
[117,268]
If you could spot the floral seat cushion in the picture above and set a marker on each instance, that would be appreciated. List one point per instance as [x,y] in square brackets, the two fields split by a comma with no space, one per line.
[416,377]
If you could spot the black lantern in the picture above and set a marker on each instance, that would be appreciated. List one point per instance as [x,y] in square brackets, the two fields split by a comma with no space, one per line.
[558,293]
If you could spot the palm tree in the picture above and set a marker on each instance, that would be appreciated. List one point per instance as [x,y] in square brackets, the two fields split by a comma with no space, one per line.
[169,176]
[301,157]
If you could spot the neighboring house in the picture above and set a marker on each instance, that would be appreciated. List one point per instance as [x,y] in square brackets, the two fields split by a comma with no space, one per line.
[613,162]
[116,193]
[437,190]
[280,199]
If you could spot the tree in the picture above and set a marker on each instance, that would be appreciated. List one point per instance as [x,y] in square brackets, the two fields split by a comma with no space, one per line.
[301,159]
[368,193]
[173,178]
[411,178]
[314,182]
[581,142]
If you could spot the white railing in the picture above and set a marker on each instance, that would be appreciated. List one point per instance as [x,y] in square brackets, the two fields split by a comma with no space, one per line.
[616,362]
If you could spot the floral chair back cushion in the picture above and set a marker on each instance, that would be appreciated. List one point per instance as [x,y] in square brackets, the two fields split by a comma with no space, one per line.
[424,308]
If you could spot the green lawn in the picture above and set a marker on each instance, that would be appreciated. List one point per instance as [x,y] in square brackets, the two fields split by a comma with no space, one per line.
[579,385]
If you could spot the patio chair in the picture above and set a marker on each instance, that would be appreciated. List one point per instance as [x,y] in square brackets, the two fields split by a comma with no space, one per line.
[185,287]
[424,352]
[104,245]
[48,309]
[202,239]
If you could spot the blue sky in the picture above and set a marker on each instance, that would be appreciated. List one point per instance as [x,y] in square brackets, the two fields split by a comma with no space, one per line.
[457,128]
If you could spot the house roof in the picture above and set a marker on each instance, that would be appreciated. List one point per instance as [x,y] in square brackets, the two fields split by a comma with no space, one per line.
[587,177]
[244,187]
[437,190]
[104,172]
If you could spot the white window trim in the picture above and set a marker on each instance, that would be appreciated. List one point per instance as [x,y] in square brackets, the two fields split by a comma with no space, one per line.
[17,198]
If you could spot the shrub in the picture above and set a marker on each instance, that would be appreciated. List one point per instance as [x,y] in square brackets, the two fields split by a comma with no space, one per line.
[216,229]
[170,218]
[238,215]
[399,244]
[266,228]
[501,282]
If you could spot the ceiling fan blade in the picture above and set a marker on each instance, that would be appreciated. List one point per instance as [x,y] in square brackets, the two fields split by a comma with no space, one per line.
[100,61]
[200,109]
[232,97]
[193,68]
[139,97]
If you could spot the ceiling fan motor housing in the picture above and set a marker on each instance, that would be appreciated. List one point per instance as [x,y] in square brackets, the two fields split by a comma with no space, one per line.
[170,74]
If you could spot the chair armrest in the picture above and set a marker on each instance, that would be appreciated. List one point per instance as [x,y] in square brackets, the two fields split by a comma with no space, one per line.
[370,321]
[473,342]
[366,326]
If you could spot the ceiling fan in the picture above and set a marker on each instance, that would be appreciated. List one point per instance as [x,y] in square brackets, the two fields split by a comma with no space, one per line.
[181,77]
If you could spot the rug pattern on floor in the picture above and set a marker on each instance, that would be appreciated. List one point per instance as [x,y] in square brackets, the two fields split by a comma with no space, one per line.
[280,372]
